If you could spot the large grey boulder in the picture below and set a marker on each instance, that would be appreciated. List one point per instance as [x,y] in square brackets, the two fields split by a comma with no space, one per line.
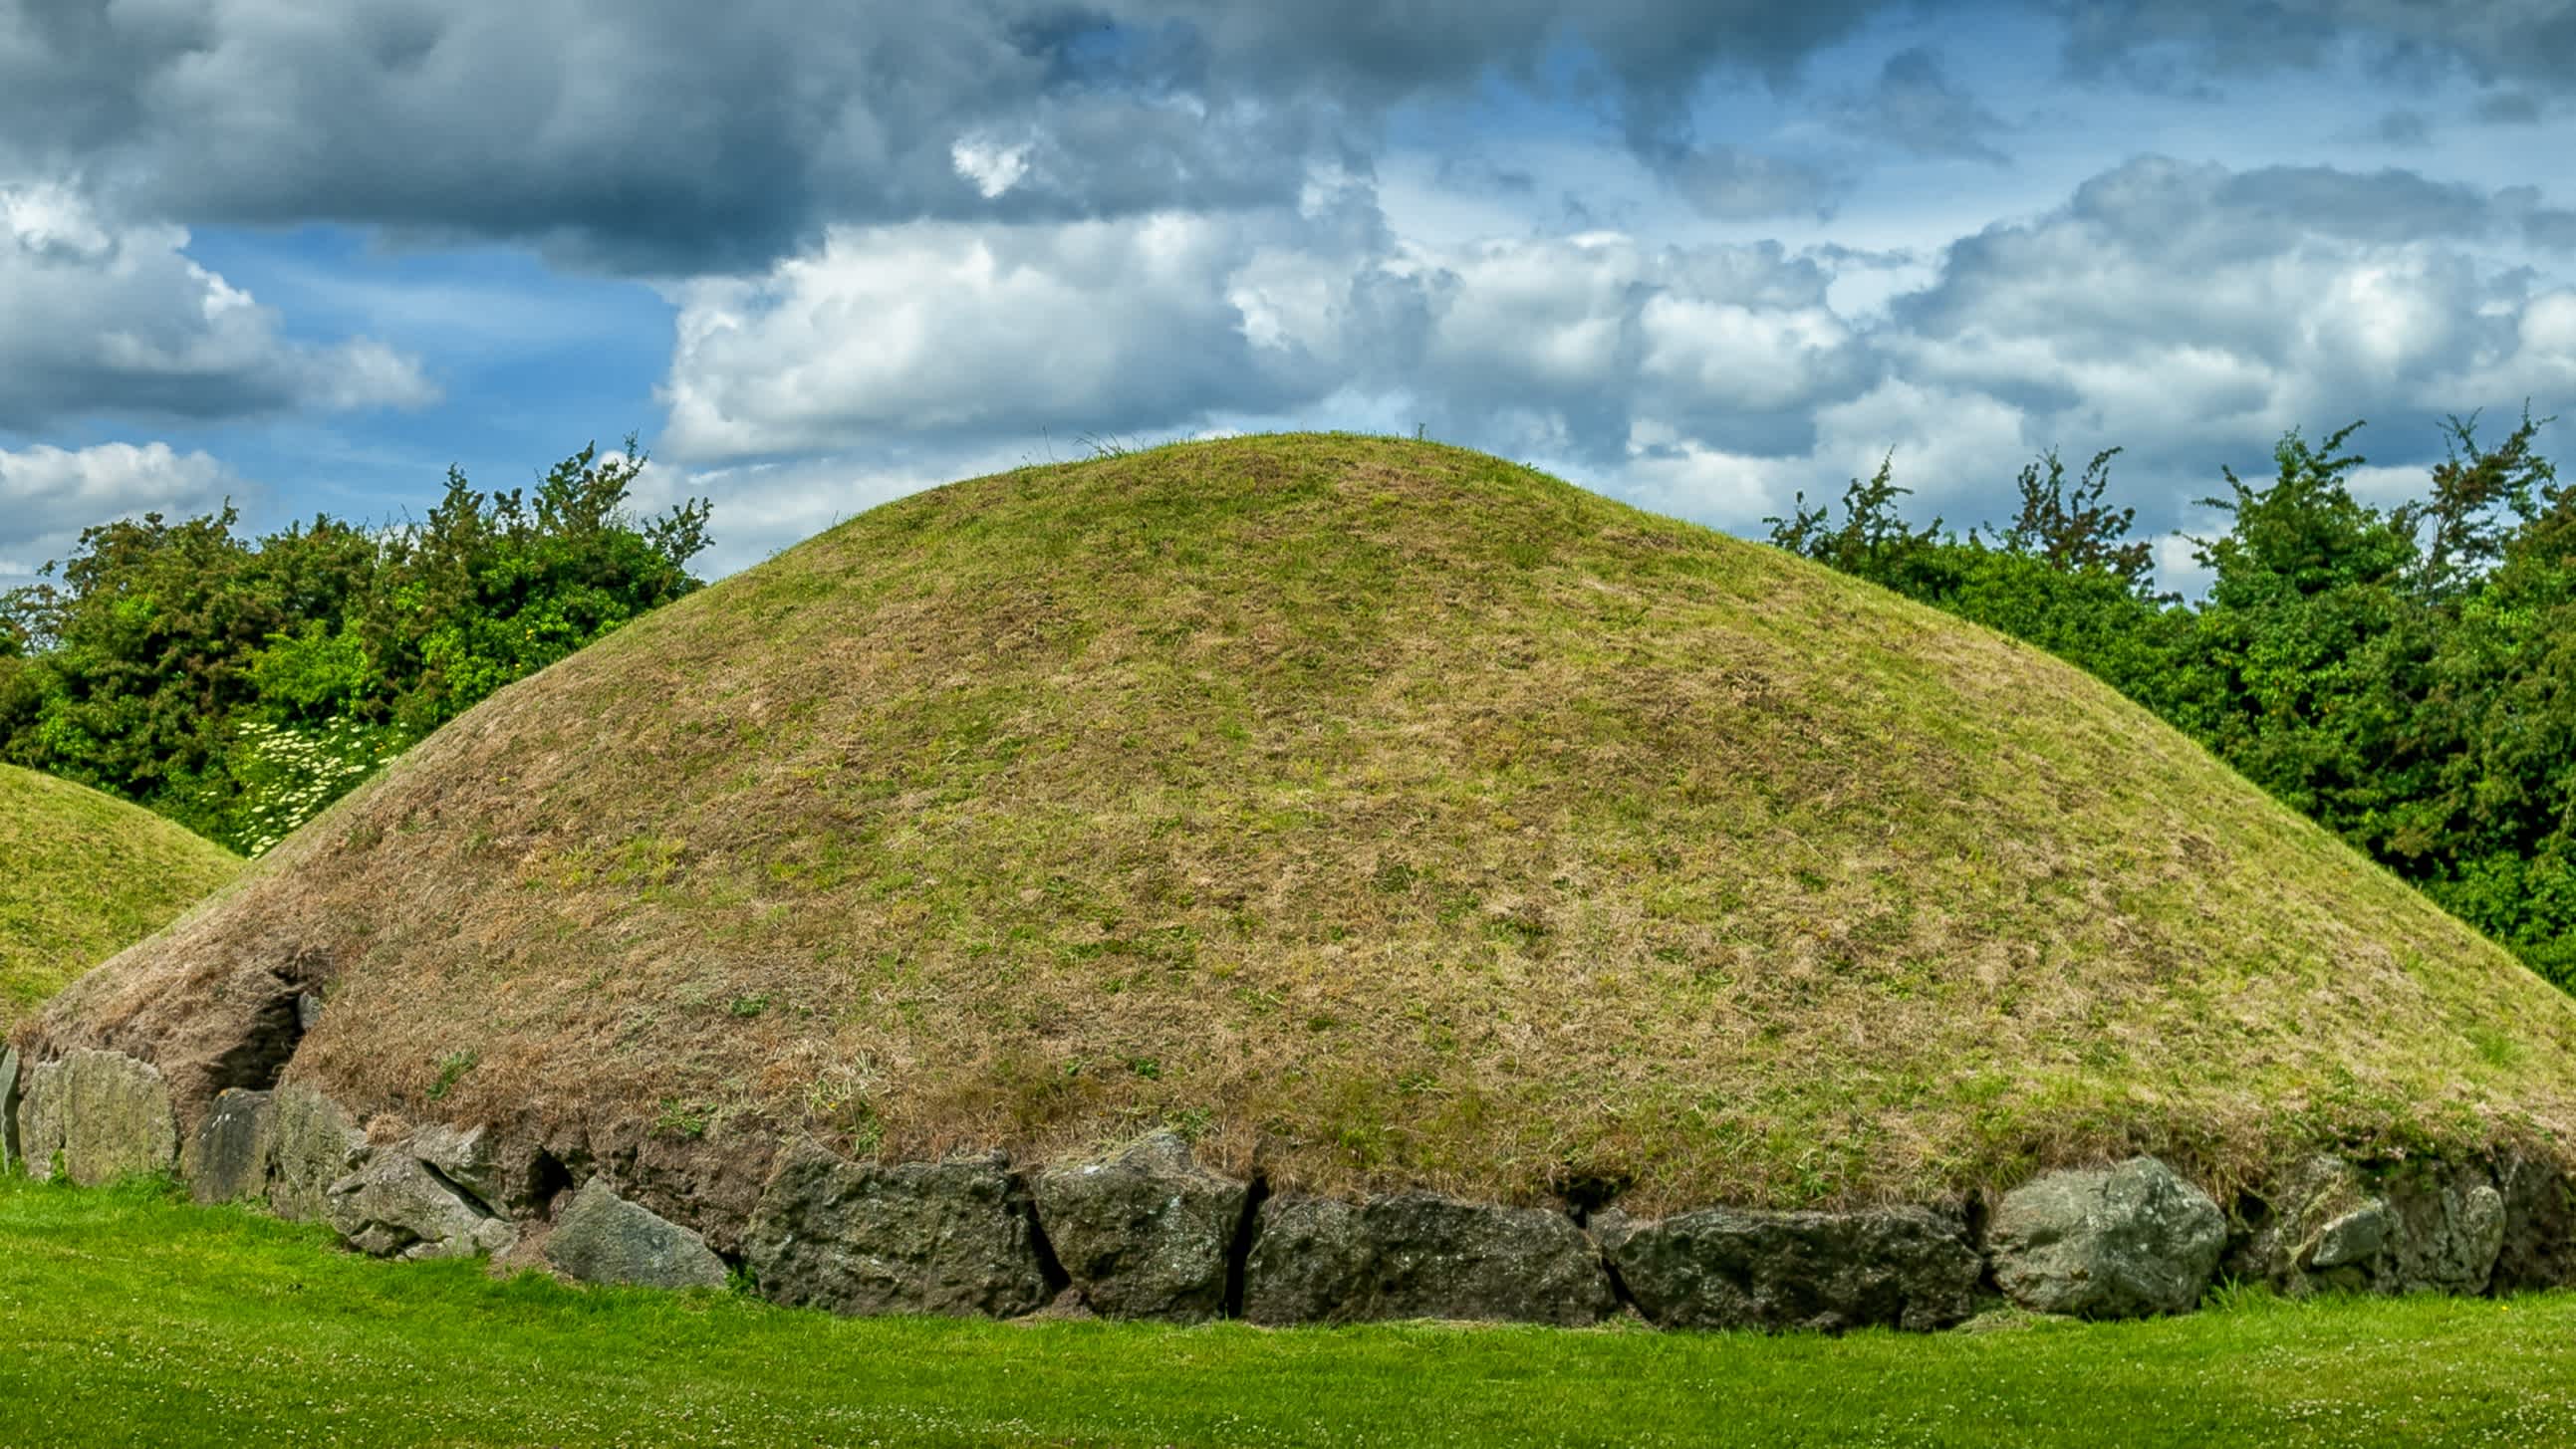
[2129,1241]
[2539,1247]
[106,1114]
[956,1238]
[40,1118]
[227,1157]
[2409,1227]
[603,1238]
[464,1156]
[397,1206]
[8,1108]
[1903,1267]
[1420,1255]
[312,1144]
[1144,1233]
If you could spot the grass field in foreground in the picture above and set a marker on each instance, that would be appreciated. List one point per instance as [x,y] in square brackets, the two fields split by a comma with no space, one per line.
[131,1318]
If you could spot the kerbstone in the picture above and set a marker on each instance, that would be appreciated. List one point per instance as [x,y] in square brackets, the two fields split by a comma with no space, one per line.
[1901,1267]
[2539,1245]
[1420,1255]
[956,1238]
[396,1207]
[2409,1227]
[1144,1233]
[104,1113]
[227,1158]
[603,1238]
[8,1108]
[2130,1241]
[40,1118]
[311,1146]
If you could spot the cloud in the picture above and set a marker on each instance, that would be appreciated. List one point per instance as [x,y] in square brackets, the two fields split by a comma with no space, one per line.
[108,319]
[674,137]
[48,495]
[2403,126]
[944,329]
[761,508]
[941,331]
[2195,314]
[2509,108]
[1730,183]
[1916,107]
[2530,43]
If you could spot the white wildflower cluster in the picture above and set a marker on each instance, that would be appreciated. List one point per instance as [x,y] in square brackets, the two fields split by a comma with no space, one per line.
[293,774]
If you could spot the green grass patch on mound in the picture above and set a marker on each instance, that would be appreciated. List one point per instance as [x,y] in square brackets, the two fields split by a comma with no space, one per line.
[82,876]
[131,1318]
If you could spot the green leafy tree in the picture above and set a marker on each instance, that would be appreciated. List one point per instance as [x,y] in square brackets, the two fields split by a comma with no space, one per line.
[240,685]
[2405,676]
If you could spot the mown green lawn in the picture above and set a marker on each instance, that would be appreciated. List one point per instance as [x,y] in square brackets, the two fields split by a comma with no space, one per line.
[129,1318]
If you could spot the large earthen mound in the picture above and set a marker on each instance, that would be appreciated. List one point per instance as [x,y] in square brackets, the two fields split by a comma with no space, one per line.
[82,876]
[1380,815]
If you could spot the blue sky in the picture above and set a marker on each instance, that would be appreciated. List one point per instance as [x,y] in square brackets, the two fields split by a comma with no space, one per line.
[1700,256]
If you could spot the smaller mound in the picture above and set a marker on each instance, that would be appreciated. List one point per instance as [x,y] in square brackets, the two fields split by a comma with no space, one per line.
[89,875]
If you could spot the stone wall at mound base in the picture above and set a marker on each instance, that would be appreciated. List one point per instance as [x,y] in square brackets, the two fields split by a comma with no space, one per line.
[1145,1232]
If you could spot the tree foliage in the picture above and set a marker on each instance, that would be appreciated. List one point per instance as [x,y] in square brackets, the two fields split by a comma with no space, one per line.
[240,684]
[2405,676]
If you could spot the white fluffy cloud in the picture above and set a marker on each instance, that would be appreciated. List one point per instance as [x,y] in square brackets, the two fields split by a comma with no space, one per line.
[108,319]
[2168,301]
[2190,313]
[48,495]
[943,328]
[1169,323]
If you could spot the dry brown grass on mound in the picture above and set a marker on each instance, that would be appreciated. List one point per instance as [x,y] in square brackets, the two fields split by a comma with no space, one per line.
[1384,813]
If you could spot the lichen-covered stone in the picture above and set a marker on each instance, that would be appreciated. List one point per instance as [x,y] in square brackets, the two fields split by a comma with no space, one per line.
[227,1157]
[1144,1233]
[463,1155]
[312,1144]
[105,1114]
[1903,1267]
[603,1238]
[956,1238]
[2128,1241]
[1420,1255]
[8,1108]
[40,1118]
[397,1206]
[2539,1247]
[2450,1228]
[2410,1227]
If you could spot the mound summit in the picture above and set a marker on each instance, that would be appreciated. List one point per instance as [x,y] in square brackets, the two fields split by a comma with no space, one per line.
[82,876]
[1378,814]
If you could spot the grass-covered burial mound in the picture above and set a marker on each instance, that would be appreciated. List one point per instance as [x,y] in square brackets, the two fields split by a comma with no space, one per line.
[1375,815]
[82,876]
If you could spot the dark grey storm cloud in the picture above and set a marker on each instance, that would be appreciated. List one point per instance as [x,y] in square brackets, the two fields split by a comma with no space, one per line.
[1731,183]
[2531,43]
[1916,107]
[683,136]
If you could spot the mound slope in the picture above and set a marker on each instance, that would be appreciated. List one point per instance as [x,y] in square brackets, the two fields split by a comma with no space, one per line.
[86,876]
[1382,812]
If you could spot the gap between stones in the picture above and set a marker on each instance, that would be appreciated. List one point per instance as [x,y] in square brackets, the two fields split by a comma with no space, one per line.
[1238,1248]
